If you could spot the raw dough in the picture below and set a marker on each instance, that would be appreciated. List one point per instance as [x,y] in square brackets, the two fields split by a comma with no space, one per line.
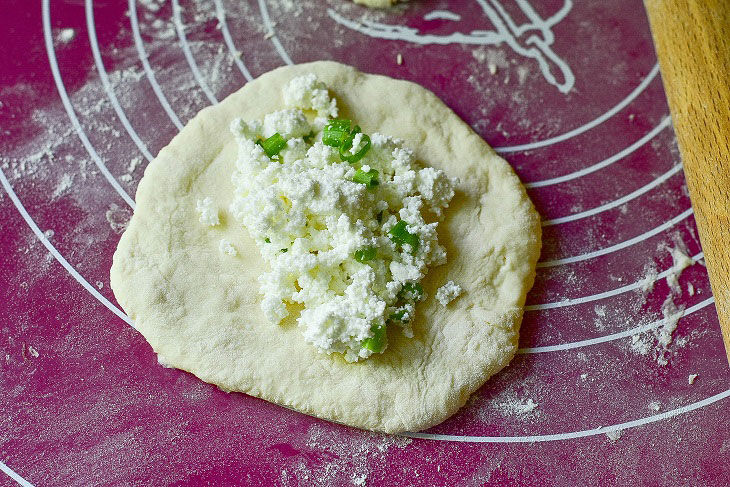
[199,308]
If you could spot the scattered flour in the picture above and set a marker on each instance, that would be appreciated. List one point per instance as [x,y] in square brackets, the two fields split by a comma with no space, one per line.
[62,186]
[671,314]
[613,436]
[518,407]
[655,406]
[66,35]
[646,285]
[33,351]
[680,262]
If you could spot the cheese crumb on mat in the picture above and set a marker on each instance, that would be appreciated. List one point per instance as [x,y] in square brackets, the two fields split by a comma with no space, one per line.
[691,378]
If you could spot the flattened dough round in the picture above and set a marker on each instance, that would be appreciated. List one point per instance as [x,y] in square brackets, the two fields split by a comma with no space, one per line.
[199,308]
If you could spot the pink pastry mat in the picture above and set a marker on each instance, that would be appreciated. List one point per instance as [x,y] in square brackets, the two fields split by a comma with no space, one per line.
[90,90]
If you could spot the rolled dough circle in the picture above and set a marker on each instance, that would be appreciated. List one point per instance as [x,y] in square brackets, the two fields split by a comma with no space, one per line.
[200,309]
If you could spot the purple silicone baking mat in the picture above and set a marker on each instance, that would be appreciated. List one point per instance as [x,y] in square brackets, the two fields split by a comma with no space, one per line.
[568,92]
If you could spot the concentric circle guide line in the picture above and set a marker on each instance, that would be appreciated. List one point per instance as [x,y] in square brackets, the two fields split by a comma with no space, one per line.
[142,54]
[605,294]
[91,27]
[666,122]
[588,126]
[574,434]
[618,246]
[532,145]
[56,254]
[481,439]
[69,108]
[617,202]
[221,14]
[614,336]
[10,473]
[176,9]
[270,29]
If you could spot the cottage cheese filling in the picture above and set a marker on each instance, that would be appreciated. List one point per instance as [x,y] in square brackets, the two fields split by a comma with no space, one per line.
[349,241]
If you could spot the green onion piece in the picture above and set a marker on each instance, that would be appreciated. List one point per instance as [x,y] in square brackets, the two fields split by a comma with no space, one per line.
[377,342]
[398,316]
[308,138]
[273,144]
[401,236]
[411,291]
[267,240]
[283,251]
[369,179]
[336,132]
[379,216]
[366,254]
[345,153]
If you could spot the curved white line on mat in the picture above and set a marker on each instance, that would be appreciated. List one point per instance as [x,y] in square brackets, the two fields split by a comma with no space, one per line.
[188,53]
[618,246]
[614,203]
[105,81]
[605,294]
[20,480]
[142,54]
[221,14]
[270,30]
[666,122]
[588,126]
[38,233]
[614,336]
[601,430]
[69,108]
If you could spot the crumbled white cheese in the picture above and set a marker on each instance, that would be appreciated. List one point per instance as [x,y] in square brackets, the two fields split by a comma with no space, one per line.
[691,378]
[447,293]
[208,212]
[308,93]
[226,247]
[309,218]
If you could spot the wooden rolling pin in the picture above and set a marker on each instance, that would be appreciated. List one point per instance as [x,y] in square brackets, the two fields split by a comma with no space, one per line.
[692,39]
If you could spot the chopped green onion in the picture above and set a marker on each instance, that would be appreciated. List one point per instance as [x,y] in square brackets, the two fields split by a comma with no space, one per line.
[283,251]
[377,342]
[273,145]
[308,138]
[398,316]
[379,216]
[267,240]
[411,291]
[401,236]
[369,179]
[336,132]
[366,254]
[345,152]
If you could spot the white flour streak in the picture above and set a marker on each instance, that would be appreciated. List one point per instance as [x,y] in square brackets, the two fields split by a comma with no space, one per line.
[69,108]
[615,203]
[618,246]
[221,14]
[188,54]
[107,85]
[614,336]
[574,434]
[642,284]
[146,65]
[666,122]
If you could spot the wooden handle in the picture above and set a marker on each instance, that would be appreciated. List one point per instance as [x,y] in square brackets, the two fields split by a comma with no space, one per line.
[692,40]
